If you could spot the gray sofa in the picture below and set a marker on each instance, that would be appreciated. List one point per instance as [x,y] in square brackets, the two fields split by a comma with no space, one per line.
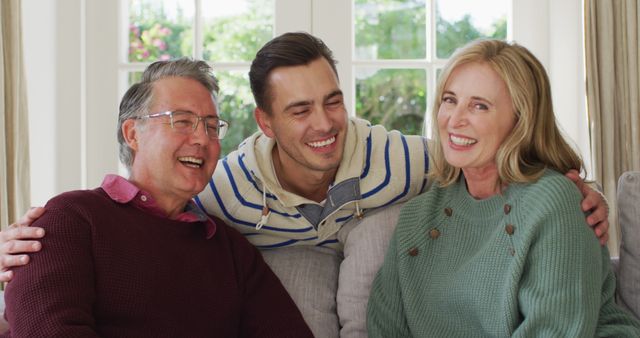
[628,266]
[332,289]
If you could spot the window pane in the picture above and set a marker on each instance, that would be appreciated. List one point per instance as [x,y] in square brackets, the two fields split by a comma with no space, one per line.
[160,29]
[461,21]
[235,30]
[390,29]
[236,106]
[395,98]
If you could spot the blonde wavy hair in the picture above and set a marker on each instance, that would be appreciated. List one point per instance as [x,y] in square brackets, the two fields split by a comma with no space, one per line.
[535,143]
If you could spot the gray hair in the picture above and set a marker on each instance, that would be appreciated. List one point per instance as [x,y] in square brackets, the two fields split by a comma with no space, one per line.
[137,100]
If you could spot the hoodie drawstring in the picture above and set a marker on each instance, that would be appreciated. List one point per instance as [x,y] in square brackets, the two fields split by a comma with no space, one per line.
[265,209]
[359,214]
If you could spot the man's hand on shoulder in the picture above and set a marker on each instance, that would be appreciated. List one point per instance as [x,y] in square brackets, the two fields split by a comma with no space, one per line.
[595,203]
[17,240]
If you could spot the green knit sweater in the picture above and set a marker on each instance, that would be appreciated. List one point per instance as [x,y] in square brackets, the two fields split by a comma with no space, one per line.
[523,264]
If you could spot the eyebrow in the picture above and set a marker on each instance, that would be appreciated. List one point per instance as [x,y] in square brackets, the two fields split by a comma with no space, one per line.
[189,111]
[483,99]
[473,97]
[333,94]
[298,104]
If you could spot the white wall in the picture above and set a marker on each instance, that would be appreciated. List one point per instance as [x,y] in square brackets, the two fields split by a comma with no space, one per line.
[72,98]
[39,45]
[72,78]
[552,30]
[567,73]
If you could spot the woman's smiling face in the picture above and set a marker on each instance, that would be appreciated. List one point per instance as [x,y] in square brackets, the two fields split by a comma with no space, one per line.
[475,116]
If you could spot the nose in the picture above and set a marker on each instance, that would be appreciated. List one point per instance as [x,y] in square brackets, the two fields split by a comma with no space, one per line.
[199,135]
[321,120]
[458,116]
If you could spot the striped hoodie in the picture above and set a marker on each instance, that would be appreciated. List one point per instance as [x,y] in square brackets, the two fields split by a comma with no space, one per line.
[378,168]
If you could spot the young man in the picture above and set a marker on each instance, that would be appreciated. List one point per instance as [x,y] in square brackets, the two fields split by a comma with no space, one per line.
[311,169]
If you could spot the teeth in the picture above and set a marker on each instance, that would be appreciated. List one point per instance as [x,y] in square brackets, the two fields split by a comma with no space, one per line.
[461,141]
[191,161]
[322,143]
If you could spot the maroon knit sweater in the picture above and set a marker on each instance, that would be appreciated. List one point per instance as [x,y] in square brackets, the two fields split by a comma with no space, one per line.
[111,270]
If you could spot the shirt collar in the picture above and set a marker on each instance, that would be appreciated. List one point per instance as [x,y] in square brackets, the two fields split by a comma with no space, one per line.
[124,191]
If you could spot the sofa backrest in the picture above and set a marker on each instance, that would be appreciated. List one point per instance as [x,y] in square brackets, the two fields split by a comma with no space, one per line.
[629,220]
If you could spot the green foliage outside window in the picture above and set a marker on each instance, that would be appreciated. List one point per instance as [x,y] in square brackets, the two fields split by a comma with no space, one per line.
[236,106]
[393,29]
[395,98]
[153,37]
[238,37]
[453,35]
[396,32]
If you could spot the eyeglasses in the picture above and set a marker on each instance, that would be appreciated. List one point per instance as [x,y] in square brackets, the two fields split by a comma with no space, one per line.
[185,122]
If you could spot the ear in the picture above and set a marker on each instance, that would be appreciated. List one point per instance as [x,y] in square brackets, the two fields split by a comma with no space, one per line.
[130,134]
[263,119]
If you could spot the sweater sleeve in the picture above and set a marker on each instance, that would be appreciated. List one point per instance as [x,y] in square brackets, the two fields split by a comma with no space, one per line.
[267,308]
[52,296]
[613,320]
[385,311]
[561,287]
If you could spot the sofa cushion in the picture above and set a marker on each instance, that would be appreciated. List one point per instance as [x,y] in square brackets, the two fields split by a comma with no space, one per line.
[629,220]
[365,245]
[310,275]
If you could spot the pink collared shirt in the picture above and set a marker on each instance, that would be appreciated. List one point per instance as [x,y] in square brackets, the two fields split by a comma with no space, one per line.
[123,191]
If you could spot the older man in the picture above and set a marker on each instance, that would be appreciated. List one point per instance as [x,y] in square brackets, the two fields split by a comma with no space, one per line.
[136,257]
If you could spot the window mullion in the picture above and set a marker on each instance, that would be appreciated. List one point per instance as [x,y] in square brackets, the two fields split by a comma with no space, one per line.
[198,31]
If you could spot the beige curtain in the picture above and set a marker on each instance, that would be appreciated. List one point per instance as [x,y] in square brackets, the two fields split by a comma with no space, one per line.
[613,73]
[14,137]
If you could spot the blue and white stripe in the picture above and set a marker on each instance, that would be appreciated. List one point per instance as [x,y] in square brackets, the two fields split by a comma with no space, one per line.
[391,168]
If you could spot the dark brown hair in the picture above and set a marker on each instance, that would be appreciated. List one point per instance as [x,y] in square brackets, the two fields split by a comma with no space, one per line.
[289,49]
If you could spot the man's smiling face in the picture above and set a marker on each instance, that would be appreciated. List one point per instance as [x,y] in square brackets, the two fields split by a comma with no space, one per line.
[308,118]
[176,164]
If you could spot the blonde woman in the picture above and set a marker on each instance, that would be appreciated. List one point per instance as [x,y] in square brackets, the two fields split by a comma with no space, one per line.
[499,246]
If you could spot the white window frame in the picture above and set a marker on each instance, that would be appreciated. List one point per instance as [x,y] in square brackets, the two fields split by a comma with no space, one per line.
[74,83]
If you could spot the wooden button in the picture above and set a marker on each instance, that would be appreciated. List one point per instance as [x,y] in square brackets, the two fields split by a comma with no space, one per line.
[413,252]
[507,209]
[512,252]
[434,233]
[510,229]
[448,212]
